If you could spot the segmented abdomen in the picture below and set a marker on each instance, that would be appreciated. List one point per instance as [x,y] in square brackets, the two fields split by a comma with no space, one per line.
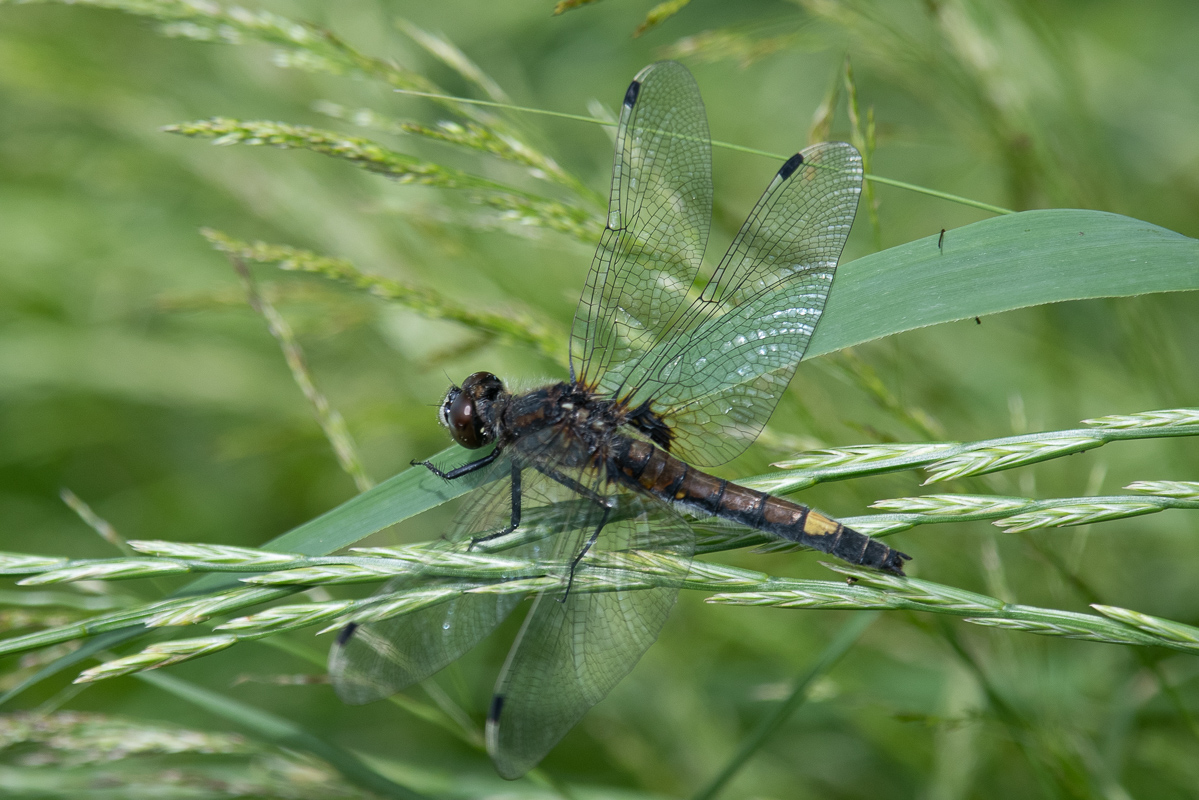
[641,465]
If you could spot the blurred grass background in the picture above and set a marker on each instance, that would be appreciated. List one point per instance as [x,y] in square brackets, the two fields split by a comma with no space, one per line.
[133,372]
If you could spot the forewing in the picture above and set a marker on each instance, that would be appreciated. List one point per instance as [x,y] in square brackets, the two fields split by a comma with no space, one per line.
[570,654]
[719,373]
[374,660]
[659,213]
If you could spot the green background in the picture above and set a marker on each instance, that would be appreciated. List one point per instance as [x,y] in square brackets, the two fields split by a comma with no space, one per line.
[133,372]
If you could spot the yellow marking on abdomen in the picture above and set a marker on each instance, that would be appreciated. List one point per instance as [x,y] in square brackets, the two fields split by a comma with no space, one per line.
[820,525]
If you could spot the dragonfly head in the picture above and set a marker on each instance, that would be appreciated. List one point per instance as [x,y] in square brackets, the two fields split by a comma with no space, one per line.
[467,410]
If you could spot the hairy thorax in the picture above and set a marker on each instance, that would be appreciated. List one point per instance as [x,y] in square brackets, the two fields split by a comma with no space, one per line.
[579,425]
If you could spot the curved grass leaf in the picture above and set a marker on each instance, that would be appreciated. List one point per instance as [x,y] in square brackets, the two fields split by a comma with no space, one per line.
[999,264]
[995,265]
[396,499]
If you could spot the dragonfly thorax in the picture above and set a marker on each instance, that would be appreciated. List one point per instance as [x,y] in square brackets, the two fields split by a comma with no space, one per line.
[575,422]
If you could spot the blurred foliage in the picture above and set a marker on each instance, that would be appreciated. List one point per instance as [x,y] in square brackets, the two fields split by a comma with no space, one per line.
[134,373]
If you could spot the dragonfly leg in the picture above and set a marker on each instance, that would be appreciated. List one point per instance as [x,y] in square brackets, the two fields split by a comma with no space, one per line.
[595,535]
[458,472]
[603,502]
[575,486]
[514,523]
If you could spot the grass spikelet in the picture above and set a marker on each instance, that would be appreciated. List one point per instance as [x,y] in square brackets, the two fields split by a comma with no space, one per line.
[20,563]
[867,455]
[191,611]
[659,14]
[157,656]
[511,326]
[287,617]
[952,504]
[515,204]
[1179,490]
[106,570]
[325,574]
[1167,629]
[211,553]
[1081,513]
[1172,417]
[1006,456]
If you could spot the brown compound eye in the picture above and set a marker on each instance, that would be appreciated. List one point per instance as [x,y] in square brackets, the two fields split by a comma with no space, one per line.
[468,412]
[464,423]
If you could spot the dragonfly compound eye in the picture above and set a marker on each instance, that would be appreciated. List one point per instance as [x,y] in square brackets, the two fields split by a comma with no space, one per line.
[464,423]
[465,409]
[482,384]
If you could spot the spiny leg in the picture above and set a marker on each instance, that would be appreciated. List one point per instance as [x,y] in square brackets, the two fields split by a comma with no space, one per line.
[603,502]
[595,535]
[458,472]
[575,486]
[514,522]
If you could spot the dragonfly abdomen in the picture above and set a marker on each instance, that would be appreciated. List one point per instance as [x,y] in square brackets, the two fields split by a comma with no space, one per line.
[656,471]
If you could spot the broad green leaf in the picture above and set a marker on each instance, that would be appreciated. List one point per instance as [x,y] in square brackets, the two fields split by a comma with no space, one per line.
[995,265]
[999,264]
[396,499]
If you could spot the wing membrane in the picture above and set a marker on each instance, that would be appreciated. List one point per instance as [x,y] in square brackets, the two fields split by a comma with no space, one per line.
[659,214]
[570,654]
[378,659]
[712,369]
[717,375]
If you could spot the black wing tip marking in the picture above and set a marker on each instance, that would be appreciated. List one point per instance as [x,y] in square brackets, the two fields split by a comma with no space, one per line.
[792,164]
[630,97]
[345,633]
[497,705]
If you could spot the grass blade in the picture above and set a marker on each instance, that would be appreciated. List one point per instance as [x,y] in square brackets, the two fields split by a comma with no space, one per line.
[839,646]
[396,499]
[999,264]
[281,732]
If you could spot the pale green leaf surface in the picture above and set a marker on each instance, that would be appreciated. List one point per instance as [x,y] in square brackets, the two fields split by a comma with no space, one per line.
[995,265]
[1000,264]
[396,499]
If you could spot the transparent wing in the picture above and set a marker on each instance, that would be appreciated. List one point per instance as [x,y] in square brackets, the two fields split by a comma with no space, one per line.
[570,654]
[659,213]
[717,375]
[375,660]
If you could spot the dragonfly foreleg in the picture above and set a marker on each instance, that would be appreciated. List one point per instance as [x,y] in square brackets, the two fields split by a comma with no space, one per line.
[458,472]
[514,522]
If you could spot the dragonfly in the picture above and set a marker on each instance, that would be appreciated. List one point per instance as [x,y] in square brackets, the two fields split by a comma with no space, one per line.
[600,475]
